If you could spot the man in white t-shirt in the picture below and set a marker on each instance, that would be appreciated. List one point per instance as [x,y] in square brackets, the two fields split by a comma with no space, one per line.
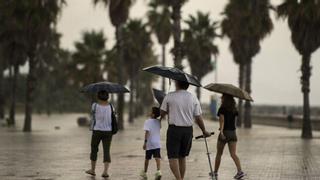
[182,108]
[152,143]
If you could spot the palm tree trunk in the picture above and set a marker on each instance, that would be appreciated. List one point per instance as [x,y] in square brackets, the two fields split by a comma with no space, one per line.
[163,64]
[2,102]
[247,111]
[176,16]
[31,80]
[131,107]
[138,104]
[13,95]
[240,106]
[305,81]
[120,76]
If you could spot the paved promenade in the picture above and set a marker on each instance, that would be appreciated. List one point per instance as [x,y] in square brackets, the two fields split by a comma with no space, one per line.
[266,153]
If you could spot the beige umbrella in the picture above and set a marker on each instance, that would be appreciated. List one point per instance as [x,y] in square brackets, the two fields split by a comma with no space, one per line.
[228,89]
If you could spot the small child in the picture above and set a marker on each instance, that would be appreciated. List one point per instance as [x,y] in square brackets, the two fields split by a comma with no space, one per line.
[152,142]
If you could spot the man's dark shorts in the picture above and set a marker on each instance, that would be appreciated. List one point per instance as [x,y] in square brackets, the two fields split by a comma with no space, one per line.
[153,152]
[179,141]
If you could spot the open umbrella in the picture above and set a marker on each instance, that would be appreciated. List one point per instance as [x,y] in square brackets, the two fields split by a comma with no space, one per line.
[104,86]
[173,73]
[229,89]
[159,95]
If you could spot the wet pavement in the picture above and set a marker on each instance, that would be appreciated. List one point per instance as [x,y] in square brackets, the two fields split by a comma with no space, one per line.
[49,153]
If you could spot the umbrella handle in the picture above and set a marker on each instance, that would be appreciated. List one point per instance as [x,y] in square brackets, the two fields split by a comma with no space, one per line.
[201,136]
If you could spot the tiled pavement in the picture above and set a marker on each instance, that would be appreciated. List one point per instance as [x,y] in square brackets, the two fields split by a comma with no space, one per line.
[266,153]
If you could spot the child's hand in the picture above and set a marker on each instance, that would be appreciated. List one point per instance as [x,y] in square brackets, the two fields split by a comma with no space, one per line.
[144,146]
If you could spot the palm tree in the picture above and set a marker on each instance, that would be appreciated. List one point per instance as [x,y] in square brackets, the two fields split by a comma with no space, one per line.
[40,17]
[246,23]
[198,44]
[118,13]
[13,45]
[159,21]
[176,6]
[137,48]
[89,58]
[304,22]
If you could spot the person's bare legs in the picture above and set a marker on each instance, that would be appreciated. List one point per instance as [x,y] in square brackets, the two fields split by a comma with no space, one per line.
[146,164]
[182,166]
[106,167]
[174,166]
[232,150]
[93,168]
[158,163]
[220,147]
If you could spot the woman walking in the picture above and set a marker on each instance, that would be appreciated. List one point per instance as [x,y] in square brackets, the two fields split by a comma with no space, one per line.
[227,115]
[101,126]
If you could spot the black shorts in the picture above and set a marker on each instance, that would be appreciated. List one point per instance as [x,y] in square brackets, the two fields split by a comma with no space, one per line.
[153,152]
[179,141]
[230,136]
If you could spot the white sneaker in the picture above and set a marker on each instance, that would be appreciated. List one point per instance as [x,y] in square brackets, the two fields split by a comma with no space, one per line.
[143,175]
[158,175]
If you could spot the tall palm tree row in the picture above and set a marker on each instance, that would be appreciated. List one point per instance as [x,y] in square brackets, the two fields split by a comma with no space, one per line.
[159,20]
[118,13]
[304,22]
[246,23]
[176,6]
[198,45]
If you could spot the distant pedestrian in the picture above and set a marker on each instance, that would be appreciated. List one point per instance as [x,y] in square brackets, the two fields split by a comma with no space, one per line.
[227,116]
[182,108]
[152,143]
[102,113]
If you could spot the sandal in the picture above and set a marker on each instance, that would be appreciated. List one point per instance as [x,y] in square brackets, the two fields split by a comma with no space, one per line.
[91,172]
[105,175]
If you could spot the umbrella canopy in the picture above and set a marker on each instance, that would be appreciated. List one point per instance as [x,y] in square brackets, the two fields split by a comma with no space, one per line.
[229,89]
[104,86]
[173,73]
[159,95]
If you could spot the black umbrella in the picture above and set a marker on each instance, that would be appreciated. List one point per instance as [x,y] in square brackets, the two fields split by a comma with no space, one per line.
[159,95]
[104,86]
[173,73]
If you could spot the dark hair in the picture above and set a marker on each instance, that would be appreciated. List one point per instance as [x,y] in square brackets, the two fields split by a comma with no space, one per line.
[103,95]
[156,112]
[228,103]
[183,85]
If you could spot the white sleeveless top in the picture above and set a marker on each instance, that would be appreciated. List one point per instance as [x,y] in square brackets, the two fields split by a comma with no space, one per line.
[103,117]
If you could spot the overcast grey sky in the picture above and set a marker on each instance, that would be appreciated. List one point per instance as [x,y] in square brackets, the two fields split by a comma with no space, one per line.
[275,76]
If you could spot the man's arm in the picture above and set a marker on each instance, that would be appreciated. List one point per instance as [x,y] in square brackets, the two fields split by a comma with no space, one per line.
[162,114]
[201,125]
[146,135]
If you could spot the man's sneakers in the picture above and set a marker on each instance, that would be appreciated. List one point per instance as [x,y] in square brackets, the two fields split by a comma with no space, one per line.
[143,175]
[239,175]
[158,175]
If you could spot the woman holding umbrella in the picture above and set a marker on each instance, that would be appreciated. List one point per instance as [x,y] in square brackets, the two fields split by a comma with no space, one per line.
[227,116]
[101,131]
[103,123]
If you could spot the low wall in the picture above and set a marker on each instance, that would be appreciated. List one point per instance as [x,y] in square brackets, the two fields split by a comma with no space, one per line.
[283,121]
